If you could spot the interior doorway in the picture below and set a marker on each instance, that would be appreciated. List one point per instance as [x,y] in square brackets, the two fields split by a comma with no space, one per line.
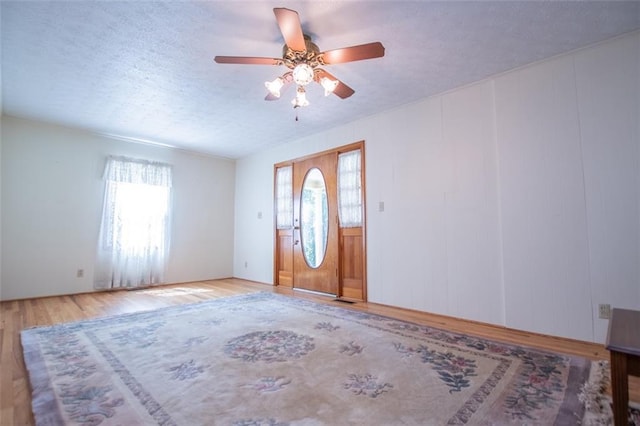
[319,227]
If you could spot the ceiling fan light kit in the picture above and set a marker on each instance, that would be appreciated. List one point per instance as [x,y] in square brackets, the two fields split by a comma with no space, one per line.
[304,60]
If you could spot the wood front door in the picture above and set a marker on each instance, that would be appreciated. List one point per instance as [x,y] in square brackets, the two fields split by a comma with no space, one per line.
[315,224]
[332,262]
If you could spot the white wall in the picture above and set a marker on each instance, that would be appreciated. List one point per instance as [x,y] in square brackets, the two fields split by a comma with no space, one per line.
[0,188]
[1,111]
[514,201]
[609,110]
[52,191]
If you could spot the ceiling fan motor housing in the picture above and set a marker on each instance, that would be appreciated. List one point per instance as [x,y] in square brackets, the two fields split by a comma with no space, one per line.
[310,56]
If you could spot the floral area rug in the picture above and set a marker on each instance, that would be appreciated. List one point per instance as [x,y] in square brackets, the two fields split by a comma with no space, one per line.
[267,359]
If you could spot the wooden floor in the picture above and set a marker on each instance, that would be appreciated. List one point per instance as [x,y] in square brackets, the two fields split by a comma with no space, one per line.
[15,397]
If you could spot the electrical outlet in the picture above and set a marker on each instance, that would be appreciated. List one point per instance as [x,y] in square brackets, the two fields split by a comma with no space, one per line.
[604,311]
[80,273]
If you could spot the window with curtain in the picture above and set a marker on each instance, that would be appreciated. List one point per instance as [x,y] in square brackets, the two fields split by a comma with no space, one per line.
[284,197]
[349,189]
[134,241]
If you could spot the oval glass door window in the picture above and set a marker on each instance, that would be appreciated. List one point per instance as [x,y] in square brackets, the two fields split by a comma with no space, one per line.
[314,218]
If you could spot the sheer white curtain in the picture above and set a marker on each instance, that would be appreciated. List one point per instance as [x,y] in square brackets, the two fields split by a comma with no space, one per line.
[350,189]
[133,245]
[284,197]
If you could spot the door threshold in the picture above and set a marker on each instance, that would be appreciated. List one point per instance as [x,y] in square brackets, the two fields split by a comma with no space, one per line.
[339,299]
[317,293]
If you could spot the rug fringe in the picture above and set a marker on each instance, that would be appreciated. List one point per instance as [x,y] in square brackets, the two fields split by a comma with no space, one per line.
[597,402]
[592,395]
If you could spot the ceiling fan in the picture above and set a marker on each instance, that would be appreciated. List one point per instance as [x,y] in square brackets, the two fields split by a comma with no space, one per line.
[304,59]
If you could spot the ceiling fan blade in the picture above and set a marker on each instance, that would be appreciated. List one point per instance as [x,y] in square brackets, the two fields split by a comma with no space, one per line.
[247,60]
[291,29]
[342,90]
[353,53]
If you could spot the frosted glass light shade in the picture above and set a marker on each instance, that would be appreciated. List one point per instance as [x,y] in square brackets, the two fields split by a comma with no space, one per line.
[302,74]
[274,86]
[301,98]
[328,85]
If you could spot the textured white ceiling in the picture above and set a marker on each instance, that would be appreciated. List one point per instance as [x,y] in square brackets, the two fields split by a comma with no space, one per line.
[145,70]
